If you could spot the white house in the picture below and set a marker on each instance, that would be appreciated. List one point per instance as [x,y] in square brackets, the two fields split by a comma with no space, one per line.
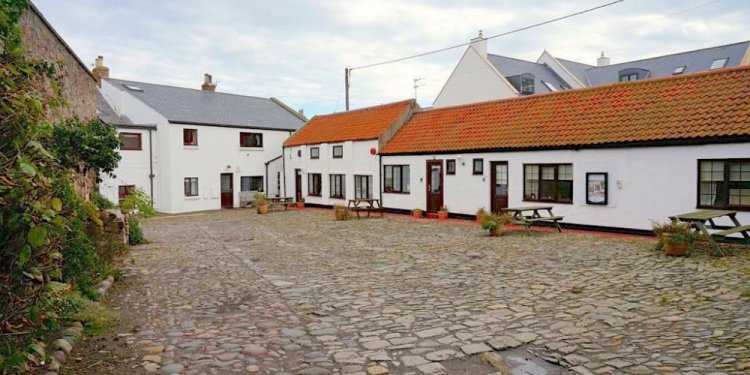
[614,156]
[480,76]
[194,150]
[334,157]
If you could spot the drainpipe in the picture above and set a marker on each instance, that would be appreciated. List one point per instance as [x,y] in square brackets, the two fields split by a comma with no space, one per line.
[283,170]
[380,179]
[151,164]
[267,178]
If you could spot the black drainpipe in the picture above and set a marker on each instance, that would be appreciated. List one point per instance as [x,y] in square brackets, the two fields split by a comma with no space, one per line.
[151,164]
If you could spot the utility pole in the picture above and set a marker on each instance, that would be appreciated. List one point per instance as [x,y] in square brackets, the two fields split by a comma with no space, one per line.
[416,86]
[347,73]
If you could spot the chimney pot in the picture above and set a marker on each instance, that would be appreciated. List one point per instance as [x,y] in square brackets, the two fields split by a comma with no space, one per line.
[100,71]
[208,85]
[602,60]
[480,44]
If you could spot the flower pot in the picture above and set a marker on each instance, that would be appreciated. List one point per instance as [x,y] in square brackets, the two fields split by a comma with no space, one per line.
[263,209]
[442,215]
[416,213]
[480,218]
[497,232]
[300,204]
[675,250]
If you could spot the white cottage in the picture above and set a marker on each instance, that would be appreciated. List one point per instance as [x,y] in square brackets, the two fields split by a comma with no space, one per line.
[334,157]
[193,150]
[614,156]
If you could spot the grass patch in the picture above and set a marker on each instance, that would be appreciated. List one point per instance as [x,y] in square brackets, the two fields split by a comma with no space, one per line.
[95,317]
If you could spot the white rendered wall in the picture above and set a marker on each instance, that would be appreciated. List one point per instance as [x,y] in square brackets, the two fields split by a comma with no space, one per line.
[275,182]
[473,80]
[645,183]
[133,169]
[218,151]
[357,160]
[560,70]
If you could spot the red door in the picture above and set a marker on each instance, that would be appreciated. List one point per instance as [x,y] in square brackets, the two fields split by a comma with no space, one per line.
[227,190]
[434,185]
[499,185]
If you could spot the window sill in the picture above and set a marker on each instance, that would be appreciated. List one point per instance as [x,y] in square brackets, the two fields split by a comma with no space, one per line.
[341,198]
[725,208]
[314,195]
[190,147]
[192,198]
[242,148]
[396,192]
[543,201]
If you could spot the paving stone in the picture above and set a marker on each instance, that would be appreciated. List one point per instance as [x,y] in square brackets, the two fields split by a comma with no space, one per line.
[475,348]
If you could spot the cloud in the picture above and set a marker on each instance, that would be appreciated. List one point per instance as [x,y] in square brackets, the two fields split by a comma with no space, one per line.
[297,50]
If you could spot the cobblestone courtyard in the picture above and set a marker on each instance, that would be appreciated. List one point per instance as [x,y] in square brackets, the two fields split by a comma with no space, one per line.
[296,292]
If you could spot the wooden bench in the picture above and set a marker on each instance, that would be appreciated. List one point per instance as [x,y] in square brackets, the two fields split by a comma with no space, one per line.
[373,205]
[535,217]
[276,204]
[740,229]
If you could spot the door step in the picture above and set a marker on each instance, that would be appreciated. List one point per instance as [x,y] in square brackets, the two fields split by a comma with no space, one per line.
[431,215]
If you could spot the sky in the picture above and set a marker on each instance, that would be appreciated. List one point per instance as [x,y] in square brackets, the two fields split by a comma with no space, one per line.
[297,50]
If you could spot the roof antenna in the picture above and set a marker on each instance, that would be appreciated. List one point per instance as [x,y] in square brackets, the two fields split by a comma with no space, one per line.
[416,86]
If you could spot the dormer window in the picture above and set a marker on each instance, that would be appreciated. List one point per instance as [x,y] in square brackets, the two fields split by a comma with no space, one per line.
[679,70]
[132,87]
[632,74]
[527,85]
[719,63]
[549,86]
[628,77]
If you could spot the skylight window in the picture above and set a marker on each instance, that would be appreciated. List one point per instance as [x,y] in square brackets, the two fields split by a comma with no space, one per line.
[719,63]
[132,87]
[549,86]
[679,69]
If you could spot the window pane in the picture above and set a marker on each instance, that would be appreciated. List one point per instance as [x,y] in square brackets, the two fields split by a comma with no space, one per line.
[531,185]
[396,178]
[406,178]
[388,178]
[565,172]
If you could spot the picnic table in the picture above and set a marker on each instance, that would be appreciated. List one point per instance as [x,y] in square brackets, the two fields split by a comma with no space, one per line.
[277,203]
[529,215]
[698,220]
[365,204]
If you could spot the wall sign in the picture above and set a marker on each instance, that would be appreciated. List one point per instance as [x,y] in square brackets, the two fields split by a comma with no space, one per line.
[596,188]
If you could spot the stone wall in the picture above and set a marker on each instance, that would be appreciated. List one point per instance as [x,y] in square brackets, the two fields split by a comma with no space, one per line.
[77,84]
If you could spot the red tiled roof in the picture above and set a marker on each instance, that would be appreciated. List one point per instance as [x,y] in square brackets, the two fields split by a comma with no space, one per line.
[712,104]
[356,125]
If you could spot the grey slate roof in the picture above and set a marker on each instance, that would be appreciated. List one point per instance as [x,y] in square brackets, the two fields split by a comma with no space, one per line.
[108,115]
[577,69]
[662,66]
[183,105]
[508,66]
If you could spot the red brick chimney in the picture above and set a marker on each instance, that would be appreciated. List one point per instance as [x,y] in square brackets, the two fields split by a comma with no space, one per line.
[207,84]
[100,71]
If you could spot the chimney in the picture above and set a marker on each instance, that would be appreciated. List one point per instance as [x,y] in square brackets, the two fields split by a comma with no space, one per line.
[301,112]
[480,44]
[100,71]
[602,60]
[207,84]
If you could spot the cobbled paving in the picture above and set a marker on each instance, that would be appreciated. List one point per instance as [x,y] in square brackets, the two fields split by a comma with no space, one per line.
[299,293]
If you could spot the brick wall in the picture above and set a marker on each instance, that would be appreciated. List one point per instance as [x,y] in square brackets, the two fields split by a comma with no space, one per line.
[77,85]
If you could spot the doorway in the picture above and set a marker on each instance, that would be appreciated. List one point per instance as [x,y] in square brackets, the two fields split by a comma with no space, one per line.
[297,185]
[227,190]
[434,185]
[499,185]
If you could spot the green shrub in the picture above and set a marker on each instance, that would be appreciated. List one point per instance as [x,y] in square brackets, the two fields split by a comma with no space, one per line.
[101,201]
[96,318]
[138,204]
[136,233]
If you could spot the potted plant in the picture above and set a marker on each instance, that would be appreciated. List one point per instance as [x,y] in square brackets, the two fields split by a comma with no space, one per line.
[301,203]
[481,214]
[261,203]
[674,237]
[417,213]
[495,224]
[340,213]
[443,213]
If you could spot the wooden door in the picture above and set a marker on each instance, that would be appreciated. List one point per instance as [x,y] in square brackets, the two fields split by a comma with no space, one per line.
[297,185]
[227,190]
[434,185]
[499,185]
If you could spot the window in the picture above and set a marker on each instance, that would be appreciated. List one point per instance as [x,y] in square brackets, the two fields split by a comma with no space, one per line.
[679,70]
[548,182]
[628,77]
[130,141]
[251,183]
[251,140]
[527,85]
[124,190]
[478,166]
[724,183]
[396,179]
[132,87]
[362,187]
[549,86]
[450,166]
[190,137]
[338,186]
[719,63]
[338,152]
[314,184]
[191,186]
[314,152]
